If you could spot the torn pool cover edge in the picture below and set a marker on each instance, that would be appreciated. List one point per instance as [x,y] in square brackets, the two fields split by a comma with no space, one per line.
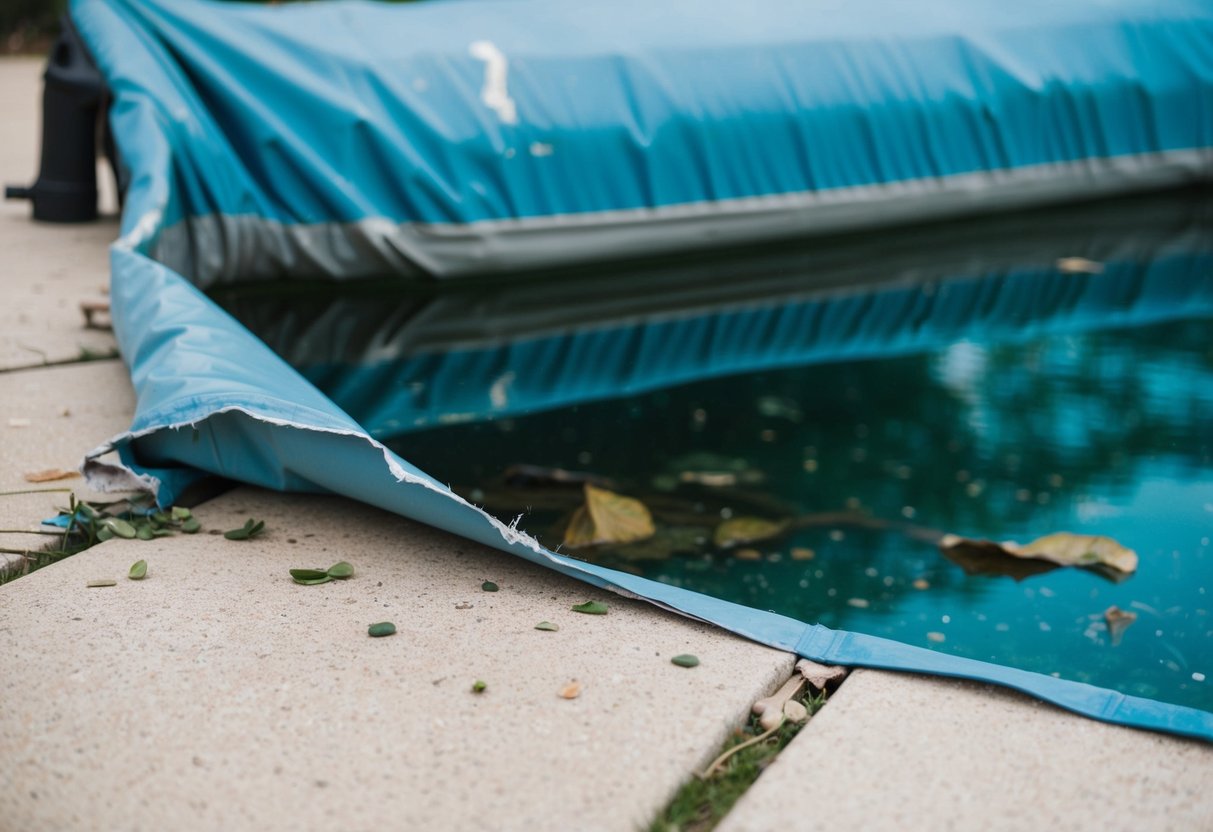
[212,397]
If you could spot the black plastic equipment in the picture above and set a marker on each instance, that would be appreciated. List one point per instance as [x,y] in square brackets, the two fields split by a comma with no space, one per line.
[72,98]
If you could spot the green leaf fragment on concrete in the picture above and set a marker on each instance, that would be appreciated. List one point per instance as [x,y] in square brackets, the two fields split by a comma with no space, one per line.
[180,513]
[590,608]
[145,531]
[138,570]
[685,660]
[489,586]
[309,574]
[547,626]
[191,526]
[104,533]
[101,582]
[249,530]
[340,570]
[383,628]
[119,527]
[479,686]
[312,581]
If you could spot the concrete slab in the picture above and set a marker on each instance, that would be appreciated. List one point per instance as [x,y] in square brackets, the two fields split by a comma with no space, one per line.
[49,419]
[45,270]
[897,752]
[217,694]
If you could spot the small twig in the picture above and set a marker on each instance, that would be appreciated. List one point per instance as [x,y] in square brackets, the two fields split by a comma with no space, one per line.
[29,531]
[719,761]
[36,491]
[25,553]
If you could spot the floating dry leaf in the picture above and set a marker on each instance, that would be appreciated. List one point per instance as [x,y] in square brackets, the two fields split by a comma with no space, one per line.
[938,638]
[608,517]
[739,530]
[748,554]
[921,583]
[51,475]
[1070,549]
[1060,548]
[571,691]
[802,553]
[1118,621]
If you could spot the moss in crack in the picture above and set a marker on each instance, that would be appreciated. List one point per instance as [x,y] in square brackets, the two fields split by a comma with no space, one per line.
[702,803]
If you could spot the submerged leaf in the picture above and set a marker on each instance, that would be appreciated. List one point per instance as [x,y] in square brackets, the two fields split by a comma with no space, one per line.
[608,517]
[1118,621]
[1061,548]
[590,608]
[138,570]
[740,530]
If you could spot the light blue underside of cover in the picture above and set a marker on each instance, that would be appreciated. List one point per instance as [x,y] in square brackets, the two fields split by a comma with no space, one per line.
[883,92]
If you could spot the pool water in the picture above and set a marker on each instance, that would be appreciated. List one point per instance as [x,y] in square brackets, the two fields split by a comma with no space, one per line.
[1005,393]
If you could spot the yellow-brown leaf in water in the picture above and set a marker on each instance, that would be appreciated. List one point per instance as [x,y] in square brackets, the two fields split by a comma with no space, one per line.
[1061,548]
[608,517]
[1070,549]
[1118,621]
[739,530]
[51,475]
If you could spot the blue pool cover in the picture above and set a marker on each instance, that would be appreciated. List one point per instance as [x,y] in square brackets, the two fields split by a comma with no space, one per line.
[443,139]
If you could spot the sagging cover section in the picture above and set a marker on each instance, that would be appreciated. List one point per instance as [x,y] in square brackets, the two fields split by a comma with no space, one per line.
[441,139]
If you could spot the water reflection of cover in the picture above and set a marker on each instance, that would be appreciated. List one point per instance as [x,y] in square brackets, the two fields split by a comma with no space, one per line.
[398,358]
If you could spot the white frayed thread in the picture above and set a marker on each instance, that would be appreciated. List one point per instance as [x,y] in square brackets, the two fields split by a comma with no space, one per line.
[495,95]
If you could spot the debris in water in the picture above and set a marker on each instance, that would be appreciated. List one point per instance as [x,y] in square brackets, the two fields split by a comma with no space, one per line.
[608,517]
[739,530]
[1061,548]
[1118,621]
[1078,265]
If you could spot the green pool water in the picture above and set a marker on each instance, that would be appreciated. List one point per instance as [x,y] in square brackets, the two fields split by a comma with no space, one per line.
[965,380]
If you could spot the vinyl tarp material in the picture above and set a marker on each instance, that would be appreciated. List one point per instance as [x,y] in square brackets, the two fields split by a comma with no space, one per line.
[445,139]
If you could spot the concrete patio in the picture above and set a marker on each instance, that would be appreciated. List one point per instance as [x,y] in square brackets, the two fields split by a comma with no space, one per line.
[217,694]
